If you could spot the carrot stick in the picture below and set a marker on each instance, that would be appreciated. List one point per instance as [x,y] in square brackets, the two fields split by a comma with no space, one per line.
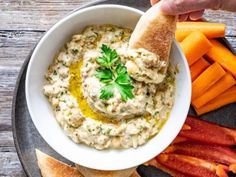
[223,56]
[210,30]
[232,168]
[194,46]
[198,67]
[229,96]
[215,90]
[209,77]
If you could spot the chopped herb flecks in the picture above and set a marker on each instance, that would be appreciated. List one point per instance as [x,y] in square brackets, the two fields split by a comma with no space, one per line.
[74,51]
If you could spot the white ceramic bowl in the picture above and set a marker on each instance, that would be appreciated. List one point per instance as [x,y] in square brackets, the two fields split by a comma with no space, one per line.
[41,112]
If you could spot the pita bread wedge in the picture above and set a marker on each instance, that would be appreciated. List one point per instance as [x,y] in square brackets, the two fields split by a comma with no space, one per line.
[51,167]
[87,172]
[154,32]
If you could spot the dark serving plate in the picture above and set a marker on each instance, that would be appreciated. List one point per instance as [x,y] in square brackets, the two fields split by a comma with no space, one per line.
[27,138]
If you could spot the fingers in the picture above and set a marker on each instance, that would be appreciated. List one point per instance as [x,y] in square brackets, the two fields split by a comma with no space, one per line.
[185,8]
[196,15]
[183,17]
[192,15]
[175,7]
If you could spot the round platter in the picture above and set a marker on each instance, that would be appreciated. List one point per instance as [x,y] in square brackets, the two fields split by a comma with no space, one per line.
[27,138]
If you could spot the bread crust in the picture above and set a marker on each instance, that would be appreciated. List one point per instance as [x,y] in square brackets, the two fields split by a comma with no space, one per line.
[51,167]
[154,32]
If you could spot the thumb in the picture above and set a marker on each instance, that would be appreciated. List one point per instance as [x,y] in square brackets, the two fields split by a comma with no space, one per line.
[175,7]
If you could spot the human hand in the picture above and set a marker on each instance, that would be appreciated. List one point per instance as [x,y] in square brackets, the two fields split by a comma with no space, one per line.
[192,9]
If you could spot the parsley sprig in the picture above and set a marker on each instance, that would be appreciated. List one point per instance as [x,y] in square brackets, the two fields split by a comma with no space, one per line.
[114,75]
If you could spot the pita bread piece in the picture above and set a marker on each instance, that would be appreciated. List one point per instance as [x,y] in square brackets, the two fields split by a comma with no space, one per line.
[51,167]
[154,32]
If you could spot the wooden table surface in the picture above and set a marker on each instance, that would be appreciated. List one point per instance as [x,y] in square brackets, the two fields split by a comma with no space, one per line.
[22,23]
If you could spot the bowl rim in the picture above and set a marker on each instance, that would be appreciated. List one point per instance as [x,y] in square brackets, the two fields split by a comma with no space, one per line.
[35,50]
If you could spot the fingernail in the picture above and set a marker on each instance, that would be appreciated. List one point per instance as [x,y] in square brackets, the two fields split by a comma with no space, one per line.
[196,15]
[183,17]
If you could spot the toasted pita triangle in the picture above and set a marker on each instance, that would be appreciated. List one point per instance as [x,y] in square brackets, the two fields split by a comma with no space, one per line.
[154,32]
[51,167]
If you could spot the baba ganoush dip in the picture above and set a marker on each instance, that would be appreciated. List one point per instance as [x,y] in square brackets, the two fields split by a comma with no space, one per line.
[121,104]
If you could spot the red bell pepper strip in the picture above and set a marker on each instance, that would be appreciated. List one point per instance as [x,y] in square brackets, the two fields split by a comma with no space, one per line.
[192,166]
[206,132]
[171,172]
[214,153]
[179,139]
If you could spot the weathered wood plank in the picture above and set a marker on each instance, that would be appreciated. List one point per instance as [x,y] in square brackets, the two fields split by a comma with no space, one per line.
[8,149]
[223,17]
[7,83]
[10,165]
[232,41]
[9,38]
[26,5]
[15,46]
[6,140]
[39,14]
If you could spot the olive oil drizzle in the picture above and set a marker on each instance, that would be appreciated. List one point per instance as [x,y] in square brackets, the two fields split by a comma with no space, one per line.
[161,124]
[75,88]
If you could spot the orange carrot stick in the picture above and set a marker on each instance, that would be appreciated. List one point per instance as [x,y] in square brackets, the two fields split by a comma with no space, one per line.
[215,90]
[198,67]
[209,77]
[229,96]
[223,56]
[194,46]
[232,168]
[210,30]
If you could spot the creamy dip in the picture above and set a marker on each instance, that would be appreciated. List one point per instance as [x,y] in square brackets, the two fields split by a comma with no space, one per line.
[73,91]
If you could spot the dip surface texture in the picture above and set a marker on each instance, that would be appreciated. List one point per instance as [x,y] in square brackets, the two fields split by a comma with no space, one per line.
[73,90]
